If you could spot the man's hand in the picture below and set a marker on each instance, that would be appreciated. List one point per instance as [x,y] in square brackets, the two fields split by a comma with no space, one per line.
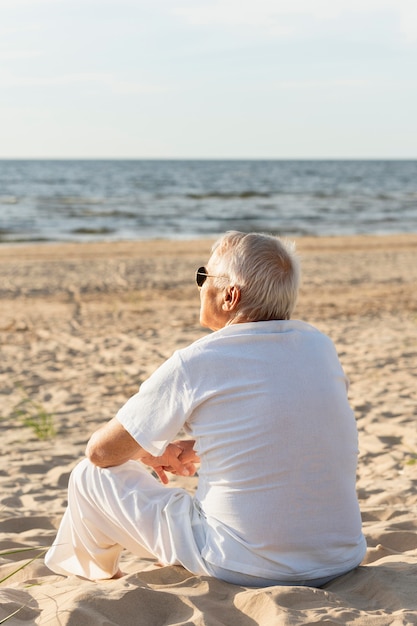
[112,445]
[179,458]
[188,454]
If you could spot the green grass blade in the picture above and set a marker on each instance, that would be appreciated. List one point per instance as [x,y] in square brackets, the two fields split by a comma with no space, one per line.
[5,619]
[42,552]
[18,550]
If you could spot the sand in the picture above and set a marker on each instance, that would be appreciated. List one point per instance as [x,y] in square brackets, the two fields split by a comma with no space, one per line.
[82,325]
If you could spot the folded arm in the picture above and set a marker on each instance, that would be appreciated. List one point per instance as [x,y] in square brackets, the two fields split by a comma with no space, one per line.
[112,445]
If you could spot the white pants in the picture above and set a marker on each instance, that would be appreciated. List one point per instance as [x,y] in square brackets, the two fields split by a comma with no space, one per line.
[124,507]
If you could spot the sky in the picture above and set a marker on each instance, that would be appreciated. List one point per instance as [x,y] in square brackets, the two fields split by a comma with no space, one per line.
[214,79]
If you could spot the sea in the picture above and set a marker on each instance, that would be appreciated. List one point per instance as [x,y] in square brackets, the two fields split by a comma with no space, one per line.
[109,200]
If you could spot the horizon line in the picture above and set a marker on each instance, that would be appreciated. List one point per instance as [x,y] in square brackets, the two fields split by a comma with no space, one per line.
[183,158]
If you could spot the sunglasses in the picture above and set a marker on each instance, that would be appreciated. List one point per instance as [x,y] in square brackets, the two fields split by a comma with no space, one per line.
[201,275]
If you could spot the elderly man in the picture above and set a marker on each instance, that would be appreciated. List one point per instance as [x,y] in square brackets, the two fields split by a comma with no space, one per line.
[264,401]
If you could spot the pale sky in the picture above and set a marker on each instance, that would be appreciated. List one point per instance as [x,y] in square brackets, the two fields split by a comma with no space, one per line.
[208,78]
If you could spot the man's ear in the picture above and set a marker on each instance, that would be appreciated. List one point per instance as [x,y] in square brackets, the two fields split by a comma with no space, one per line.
[231,298]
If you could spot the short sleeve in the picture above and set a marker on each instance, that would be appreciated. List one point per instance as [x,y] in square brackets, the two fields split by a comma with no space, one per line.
[155,415]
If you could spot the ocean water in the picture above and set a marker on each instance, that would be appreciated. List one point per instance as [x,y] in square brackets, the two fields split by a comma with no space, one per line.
[70,200]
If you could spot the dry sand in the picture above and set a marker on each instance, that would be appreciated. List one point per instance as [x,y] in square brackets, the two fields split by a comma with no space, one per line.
[82,325]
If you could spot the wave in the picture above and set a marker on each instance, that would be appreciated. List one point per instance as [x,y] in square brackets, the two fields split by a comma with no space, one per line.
[93,231]
[71,200]
[228,195]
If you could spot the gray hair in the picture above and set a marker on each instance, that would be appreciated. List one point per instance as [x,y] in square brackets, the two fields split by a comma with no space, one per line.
[266,269]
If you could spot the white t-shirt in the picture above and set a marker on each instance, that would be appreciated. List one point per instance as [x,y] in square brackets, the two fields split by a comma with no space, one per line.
[267,405]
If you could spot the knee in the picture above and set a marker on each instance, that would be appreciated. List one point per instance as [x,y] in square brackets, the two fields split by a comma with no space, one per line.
[81,474]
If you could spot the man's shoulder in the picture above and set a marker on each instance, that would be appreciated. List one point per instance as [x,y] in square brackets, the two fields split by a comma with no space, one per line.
[203,346]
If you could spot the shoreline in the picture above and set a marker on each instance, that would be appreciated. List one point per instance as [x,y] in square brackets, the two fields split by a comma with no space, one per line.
[192,239]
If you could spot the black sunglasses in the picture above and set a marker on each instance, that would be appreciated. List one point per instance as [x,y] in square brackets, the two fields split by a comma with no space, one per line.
[201,275]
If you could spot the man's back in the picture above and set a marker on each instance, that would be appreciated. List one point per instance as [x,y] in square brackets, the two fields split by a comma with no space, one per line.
[278,446]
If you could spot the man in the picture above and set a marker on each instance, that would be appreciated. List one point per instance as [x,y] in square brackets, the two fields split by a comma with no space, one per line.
[264,401]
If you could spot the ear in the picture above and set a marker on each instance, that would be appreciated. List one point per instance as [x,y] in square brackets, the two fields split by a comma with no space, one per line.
[231,298]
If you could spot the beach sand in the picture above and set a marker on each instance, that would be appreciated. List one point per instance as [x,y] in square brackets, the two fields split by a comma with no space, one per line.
[82,325]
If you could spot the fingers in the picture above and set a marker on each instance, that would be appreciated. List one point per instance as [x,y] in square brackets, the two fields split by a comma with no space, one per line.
[188,454]
[160,471]
[189,457]
[179,458]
